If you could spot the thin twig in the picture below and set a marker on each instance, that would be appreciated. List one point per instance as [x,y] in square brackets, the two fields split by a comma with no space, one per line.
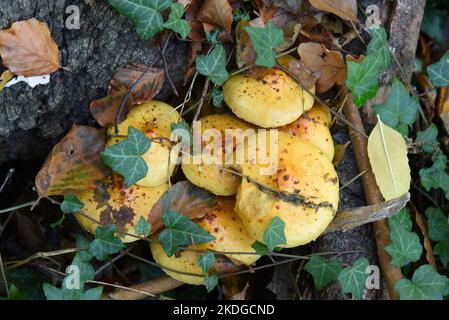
[164,60]
[352,180]
[8,177]
[5,282]
[38,255]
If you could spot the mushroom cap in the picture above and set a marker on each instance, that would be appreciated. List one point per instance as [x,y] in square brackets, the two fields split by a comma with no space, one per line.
[320,113]
[303,169]
[211,176]
[230,236]
[272,101]
[112,203]
[154,118]
[312,126]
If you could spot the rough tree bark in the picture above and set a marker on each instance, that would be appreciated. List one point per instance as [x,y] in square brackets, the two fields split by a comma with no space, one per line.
[33,120]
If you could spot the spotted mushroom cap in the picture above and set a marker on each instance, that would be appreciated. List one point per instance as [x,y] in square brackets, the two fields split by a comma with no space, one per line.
[302,169]
[313,126]
[213,177]
[112,203]
[272,101]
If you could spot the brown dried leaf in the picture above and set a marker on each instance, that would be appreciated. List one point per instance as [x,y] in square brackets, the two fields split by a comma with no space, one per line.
[329,63]
[195,47]
[104,110]
[245,54]
[306,77]
[345,9]
[27,49]
[216,12]
[423,235]
[74,164]
[184,198]
[443,106]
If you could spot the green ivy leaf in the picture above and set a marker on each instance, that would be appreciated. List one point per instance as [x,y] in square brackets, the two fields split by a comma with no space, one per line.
[428,139]
[439,72]
[213,65]
[71,204]
[441,250]
[262,250]
[437,224]
[206,261]
[363,76]
[436,176]
[352,280]
[217,96]
[400,110]
[125,158]
[210,282]
[426,284]
[105,242]
[322,271]
[145,14]
[433,24]
[274,235]
[175,22]
[142,227]
[83,245]
[180,231]
[405,245]
[378,45]
[264,41]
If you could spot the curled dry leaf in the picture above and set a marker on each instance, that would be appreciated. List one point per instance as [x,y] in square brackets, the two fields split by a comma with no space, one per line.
[216,12]
[104,110]
[74,164]
[423,235]
[185,198]
[351,218]
[330,64]
[345,9]
[27,49]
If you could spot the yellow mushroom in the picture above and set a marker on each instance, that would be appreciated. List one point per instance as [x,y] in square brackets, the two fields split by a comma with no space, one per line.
[212,177]
[302,169]
[313,126]
[272,101]
[154,118]
[230,236]
[112,203]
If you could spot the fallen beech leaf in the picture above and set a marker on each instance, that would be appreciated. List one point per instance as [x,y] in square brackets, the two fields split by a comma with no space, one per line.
[104,110]
[387,154]
[422,226]
[27,49]
[5,78]
[345,9]
[245,54]
[74,164]
[330,64]
[195,47]
[184,198]
[291,32]
[216,12]
[351,218]
[306,77]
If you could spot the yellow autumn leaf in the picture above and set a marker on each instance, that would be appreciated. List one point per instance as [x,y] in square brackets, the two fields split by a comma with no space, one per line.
[4,78]
[387,154]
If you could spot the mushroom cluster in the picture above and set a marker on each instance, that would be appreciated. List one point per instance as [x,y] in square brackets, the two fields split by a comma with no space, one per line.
[300,185]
